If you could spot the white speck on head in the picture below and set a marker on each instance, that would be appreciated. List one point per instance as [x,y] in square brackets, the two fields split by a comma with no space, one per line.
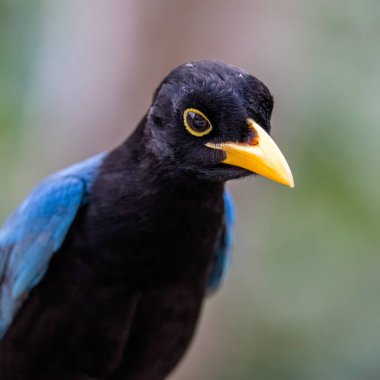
[189,65]
[187,89]
[240,75]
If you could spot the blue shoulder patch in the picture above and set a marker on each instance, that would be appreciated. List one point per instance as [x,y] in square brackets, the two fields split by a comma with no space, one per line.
[37,229]
[224,252]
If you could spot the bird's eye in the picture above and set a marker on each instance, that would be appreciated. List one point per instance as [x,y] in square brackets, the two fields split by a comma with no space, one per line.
[196,122]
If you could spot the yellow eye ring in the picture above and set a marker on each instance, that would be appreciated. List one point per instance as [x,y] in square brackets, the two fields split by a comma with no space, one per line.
[196,122]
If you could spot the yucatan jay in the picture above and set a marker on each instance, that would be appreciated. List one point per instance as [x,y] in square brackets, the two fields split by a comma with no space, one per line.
[105,265]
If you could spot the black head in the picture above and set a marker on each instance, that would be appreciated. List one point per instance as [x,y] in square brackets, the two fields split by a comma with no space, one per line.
[206,102]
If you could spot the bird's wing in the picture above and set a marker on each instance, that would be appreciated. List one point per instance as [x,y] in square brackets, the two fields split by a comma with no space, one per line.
[36,230]
[223,253]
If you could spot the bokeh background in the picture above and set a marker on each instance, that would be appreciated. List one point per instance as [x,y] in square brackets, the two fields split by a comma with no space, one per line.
[302,300]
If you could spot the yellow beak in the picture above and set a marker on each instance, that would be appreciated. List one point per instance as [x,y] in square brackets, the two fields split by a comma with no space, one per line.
[261,156]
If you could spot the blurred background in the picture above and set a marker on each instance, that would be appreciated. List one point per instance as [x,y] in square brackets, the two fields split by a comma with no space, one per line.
[302,300]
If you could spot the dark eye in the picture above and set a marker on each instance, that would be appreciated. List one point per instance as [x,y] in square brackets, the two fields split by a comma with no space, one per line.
[196,122]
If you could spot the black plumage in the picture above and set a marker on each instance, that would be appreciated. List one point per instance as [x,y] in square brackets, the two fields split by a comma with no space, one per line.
[122,296]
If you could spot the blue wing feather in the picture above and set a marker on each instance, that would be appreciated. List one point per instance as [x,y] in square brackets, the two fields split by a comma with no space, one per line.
[37,229]
[223,253]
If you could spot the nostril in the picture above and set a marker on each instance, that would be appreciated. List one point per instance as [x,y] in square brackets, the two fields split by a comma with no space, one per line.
[254,140]
[254,136]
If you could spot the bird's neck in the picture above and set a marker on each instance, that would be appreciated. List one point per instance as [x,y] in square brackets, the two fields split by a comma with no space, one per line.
[161,227]
[139,171]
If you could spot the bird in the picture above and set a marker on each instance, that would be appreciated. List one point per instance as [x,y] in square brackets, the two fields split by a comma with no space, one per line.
[105,266]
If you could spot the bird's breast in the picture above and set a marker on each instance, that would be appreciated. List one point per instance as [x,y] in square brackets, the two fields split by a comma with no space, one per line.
[156,243]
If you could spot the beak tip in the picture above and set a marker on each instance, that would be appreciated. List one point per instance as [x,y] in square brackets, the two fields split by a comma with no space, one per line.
[290,181]
[286,178]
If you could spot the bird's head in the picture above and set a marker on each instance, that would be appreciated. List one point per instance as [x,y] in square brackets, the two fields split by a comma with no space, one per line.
[212,120]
